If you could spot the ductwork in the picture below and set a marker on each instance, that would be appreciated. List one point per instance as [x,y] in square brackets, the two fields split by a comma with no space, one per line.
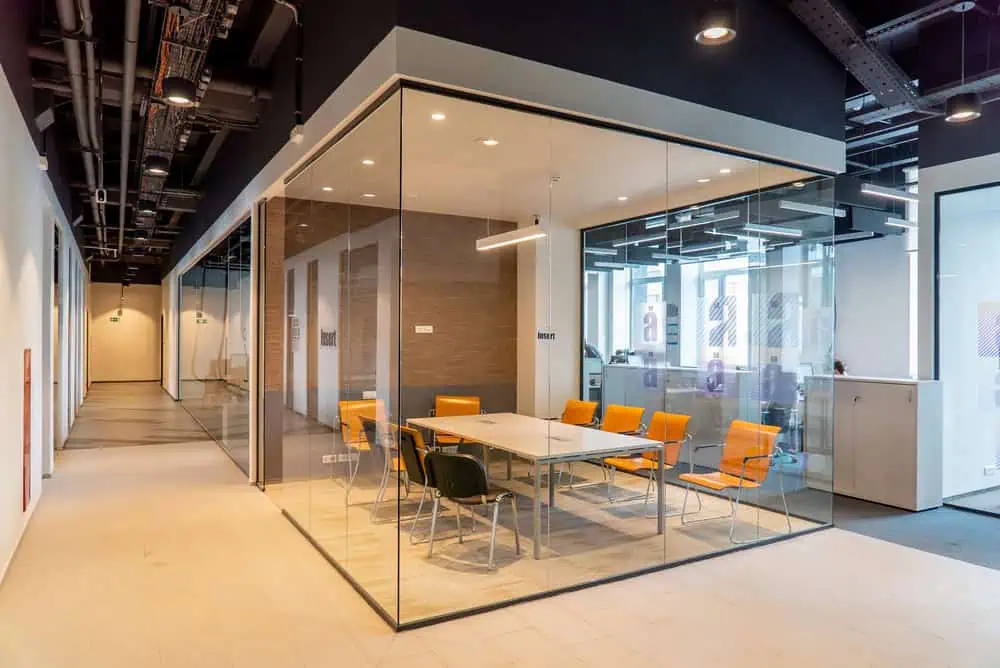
[128,89]
[66,10]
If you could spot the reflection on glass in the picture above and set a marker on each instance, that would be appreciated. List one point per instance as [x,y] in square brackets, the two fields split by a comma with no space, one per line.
[487,328]
[214,349]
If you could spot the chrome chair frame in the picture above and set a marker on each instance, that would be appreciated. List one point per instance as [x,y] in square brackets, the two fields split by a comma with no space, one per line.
[734,503]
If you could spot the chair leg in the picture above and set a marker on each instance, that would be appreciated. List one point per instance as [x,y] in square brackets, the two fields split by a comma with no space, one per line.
[434,517]
[517,532]
[458,517]
[416,517]
[380,494]
[493,534]
[649,486]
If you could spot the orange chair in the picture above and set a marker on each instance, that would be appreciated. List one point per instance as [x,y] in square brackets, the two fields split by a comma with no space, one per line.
[618,419]
[668,428]
[449,406]
[745,463]
[353,431]
[579,413]
[622,419]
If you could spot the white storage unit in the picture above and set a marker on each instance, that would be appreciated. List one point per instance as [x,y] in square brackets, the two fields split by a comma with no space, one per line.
[886,441]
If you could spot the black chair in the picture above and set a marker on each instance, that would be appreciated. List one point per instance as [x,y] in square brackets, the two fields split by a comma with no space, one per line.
[462,479]
[412,450]
[391,464]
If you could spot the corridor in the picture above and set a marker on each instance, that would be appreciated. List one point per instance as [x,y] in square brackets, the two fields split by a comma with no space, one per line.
[162,556]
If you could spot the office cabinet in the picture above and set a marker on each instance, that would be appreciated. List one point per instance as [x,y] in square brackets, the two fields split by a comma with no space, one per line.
[887,441]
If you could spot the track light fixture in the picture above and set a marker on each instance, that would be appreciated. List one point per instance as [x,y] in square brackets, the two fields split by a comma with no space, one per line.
[179,92]
[963,108]
[716,23]
[145,208]
[156,165]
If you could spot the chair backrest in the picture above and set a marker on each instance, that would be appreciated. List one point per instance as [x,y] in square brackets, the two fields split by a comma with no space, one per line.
[456,475]
[414,453]
[671,430]
[746,439]
[446,405]
[622,419]
[369,428]
[350,411]
[578,412]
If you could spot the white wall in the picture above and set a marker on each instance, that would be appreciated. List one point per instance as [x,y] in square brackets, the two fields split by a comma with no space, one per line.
[169,296]
[872,292]
[202,321]
[124,335]
[328,254]
[29,210]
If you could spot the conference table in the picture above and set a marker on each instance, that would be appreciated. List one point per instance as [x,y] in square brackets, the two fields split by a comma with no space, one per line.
[545,443]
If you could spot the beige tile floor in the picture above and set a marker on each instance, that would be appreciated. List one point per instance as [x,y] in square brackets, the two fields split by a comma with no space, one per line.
[584,539]
[162,556]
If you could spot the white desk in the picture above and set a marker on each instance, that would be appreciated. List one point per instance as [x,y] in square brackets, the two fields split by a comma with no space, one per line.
[544,442]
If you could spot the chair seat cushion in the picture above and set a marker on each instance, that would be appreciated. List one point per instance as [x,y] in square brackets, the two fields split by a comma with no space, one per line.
[716,480]
[633,464]
[490,497]
[447,439]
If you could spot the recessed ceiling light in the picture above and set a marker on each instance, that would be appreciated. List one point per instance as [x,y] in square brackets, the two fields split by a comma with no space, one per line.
[798,184]
[327,189]
[704,180]
[488,141]
[622,198]
[369,195]
[725,170]
[438,116]
[716,24]
[303,224]
[368,162]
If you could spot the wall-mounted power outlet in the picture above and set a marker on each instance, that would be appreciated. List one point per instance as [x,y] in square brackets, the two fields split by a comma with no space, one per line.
[329,459]
[990,469]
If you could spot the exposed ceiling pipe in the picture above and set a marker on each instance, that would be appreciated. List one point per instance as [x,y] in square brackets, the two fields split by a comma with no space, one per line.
[66,10]
[87,27]
[128,89]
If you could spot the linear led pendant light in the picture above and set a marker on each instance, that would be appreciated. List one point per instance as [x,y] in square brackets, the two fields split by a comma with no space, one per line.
[803,207]
[963,107]
[510,238]
[899,222]
[889,193]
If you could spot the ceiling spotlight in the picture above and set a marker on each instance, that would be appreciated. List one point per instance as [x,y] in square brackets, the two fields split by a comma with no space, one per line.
[367,162]
[488,141]
[157,165]
[179,92]
[798,184]
[327,189]
[369,195]
[303,224]
[704,180]
[716,23]
[725,170]
[438,116]
[622,198]
[963,108]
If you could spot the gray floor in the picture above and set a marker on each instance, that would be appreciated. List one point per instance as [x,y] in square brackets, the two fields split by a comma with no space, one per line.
[129,414]
[986,501]
[959,534]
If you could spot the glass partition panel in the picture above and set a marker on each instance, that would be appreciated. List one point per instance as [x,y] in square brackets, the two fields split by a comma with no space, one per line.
[331,416]
[485,329]
[213,344]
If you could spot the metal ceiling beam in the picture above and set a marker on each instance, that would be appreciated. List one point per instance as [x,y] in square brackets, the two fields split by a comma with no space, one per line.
[49,55]
[913,20]
[840,32]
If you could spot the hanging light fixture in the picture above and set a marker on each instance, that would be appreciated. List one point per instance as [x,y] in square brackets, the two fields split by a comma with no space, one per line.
[145,208]
[517,236]
[716,23]
[179,92]
[963,107]
[156,165]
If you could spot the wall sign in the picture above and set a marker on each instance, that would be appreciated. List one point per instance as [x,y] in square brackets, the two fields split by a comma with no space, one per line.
[26,456]
[424,329]
[546,336]
[328,339]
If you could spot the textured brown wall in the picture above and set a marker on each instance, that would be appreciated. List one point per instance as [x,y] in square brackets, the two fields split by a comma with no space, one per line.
[470,298]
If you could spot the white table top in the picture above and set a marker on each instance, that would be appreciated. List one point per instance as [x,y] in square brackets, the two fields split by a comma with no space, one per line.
[536,439]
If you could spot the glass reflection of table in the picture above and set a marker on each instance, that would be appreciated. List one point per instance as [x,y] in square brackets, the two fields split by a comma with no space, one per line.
[545,443]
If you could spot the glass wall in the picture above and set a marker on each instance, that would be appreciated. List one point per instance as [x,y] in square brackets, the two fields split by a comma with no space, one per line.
[214,331]
[458,421]
[968,344]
